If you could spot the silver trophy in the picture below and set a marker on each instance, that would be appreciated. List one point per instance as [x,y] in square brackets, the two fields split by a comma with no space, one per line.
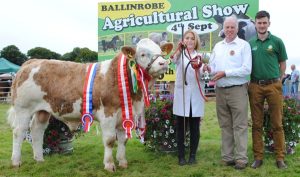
[205,61]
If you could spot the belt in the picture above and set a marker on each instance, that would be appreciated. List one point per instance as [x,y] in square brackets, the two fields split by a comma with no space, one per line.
[227,87]
[265,82]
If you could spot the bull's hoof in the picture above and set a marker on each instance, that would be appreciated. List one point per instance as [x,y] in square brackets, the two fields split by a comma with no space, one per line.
[110,167]
[16,164]
[39,160]
[123,164]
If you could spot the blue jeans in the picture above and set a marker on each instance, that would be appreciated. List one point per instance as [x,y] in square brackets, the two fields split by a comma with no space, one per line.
[285,90]
[294,89]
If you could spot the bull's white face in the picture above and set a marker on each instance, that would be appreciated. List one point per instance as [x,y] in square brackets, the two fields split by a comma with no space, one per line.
[146,51]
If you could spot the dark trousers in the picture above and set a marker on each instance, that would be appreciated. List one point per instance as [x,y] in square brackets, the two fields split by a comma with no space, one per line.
[193,123]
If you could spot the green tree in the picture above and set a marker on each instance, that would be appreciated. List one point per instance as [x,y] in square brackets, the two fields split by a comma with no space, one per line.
[13,54]
[82,55]
[67,56]
[87,55]
[71,56]
[40,52]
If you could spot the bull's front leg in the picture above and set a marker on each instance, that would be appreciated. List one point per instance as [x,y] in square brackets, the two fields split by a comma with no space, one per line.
[122,140]
[109,137]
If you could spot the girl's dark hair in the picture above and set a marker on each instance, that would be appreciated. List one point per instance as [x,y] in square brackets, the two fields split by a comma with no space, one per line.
[262,14]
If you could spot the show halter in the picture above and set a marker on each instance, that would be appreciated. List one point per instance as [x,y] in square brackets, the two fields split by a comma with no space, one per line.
[87,103]
[155,57]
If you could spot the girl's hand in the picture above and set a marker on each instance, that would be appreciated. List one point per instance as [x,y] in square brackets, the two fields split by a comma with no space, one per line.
[178,50]
[196,64]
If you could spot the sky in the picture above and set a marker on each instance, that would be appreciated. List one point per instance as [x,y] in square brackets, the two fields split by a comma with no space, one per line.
[61,25]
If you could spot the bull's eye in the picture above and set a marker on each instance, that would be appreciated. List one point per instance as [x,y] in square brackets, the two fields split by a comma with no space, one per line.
[143,54]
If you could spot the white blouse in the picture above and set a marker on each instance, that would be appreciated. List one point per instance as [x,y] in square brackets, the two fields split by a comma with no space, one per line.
[191,90]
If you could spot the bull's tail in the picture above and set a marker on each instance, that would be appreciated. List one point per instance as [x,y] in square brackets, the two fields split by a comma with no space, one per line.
[11,116]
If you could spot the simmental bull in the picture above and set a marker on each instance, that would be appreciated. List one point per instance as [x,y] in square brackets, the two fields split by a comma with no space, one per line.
[51,87]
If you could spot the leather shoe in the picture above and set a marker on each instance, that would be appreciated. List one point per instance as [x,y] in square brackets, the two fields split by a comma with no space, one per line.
[192,160]
[280,164]
[240,165]
[182,161]
[228,163]
[257,164]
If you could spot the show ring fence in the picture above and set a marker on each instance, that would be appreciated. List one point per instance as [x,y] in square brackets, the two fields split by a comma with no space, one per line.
[5,94]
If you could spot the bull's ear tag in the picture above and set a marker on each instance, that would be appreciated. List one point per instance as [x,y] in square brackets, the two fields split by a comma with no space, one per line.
[129,55]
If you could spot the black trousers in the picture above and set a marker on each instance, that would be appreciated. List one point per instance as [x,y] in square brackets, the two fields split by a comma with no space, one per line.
[193,123]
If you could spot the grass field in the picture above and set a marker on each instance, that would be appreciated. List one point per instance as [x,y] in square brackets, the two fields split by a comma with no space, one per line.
[87,157]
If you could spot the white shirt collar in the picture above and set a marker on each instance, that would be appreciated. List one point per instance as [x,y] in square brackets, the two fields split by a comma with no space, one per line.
[235,41]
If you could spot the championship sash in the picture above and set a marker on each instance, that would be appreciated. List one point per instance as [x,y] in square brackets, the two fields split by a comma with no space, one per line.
[125,97]
[87,103]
